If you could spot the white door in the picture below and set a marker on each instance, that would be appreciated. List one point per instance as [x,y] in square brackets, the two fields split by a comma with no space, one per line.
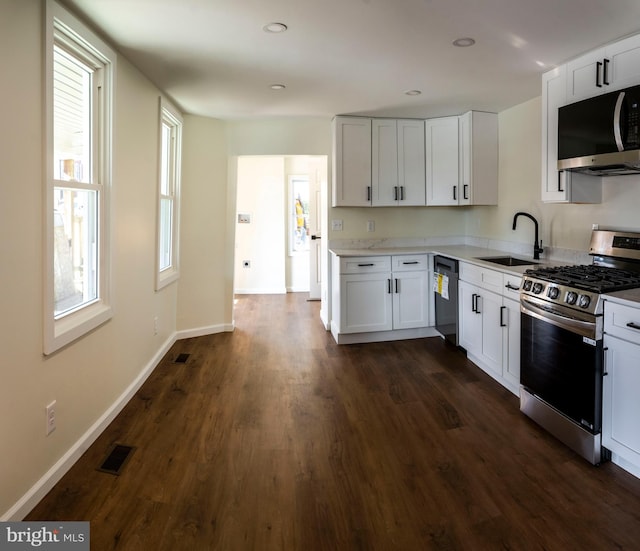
[315,233]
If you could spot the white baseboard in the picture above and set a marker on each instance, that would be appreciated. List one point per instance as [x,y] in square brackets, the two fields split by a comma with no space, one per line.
[55,473]
[207,330]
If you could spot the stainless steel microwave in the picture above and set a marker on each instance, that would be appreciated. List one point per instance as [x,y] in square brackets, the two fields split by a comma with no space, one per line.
[600,135]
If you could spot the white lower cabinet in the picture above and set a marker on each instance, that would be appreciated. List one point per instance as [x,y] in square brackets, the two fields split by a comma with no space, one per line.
[621,385]
[490,322]
[481,334]
[366,303]
[380,298]
[410,299]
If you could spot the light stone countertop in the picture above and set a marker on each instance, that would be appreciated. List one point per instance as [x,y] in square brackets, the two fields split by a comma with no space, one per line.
[463,253]
[630,297]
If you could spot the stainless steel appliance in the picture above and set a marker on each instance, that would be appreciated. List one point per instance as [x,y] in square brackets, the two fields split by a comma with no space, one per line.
[446,306]
[561,367]
[600,135]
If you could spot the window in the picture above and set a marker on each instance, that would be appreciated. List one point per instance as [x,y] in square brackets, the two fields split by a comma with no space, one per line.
[79,77]
[169,194]
[299,214]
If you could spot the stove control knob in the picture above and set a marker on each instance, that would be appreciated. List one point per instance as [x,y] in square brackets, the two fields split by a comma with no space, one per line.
[553,292]
[527,285]
[583,301]
[537,288]
[571,297]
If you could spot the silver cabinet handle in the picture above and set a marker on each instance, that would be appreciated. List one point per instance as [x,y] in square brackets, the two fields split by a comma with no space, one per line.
[616,122]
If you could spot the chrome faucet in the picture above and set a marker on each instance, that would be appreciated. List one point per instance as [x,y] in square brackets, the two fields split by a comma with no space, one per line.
[537,249]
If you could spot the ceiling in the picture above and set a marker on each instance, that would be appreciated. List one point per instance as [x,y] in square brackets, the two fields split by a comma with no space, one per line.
[213,58]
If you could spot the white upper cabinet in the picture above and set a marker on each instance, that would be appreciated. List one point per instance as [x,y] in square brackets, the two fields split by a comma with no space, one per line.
[604,70]
[462,159]
[384,157]
[411,163]
[397,177]
[478,159]
[554,95]
[351,162]
[442,144]
[561,186]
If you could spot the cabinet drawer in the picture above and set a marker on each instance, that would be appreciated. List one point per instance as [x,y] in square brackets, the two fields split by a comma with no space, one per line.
[511,286]
[483,277]
[622,321]
[364,264]
[409,262]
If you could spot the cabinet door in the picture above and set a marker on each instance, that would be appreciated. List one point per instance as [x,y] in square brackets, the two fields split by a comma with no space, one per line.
[511,355]
[384,171]
[493,330]
[366,303]
[470,322]
[478,158]
[586,76]
[624,63]
[621,407]
[411,163]
[351,162]
[442,164]
[410,300]
[553,97]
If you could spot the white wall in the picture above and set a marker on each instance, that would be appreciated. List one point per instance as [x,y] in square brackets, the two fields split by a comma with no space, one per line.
[261,242]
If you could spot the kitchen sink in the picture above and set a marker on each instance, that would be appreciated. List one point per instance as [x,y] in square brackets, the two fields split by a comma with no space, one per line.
[507,260]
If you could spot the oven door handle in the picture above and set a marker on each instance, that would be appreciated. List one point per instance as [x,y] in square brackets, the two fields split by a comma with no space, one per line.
[580,327]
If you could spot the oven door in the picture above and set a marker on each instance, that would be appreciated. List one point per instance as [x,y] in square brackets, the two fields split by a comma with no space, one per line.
[561,361]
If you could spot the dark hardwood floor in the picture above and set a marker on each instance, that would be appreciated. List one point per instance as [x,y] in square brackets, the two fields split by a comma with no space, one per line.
[275,438]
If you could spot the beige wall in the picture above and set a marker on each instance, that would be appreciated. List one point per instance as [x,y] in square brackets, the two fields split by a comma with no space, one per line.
[206,284]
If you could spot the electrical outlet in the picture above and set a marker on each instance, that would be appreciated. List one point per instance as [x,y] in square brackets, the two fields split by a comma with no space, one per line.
[155,325]
[371,225]
[51,417]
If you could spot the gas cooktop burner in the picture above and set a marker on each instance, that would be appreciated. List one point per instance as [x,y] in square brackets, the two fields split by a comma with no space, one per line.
[589,277]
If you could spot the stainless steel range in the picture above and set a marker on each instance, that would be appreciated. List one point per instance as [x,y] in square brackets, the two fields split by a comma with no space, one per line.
[561,340]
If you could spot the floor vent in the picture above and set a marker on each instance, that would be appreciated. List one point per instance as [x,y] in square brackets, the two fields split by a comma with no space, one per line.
[116,459]
[181,359]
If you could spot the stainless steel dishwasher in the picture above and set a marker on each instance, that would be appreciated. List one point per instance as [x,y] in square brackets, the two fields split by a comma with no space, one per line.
[446,297]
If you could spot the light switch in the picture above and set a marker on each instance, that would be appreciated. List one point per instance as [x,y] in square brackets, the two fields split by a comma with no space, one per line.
[336,225]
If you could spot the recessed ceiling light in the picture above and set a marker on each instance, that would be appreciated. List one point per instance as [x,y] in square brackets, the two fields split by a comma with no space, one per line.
[464,42]
[274,27]
[413,92]
[277,86]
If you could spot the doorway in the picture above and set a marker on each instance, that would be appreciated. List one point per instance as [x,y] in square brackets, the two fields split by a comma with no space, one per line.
[278,225]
